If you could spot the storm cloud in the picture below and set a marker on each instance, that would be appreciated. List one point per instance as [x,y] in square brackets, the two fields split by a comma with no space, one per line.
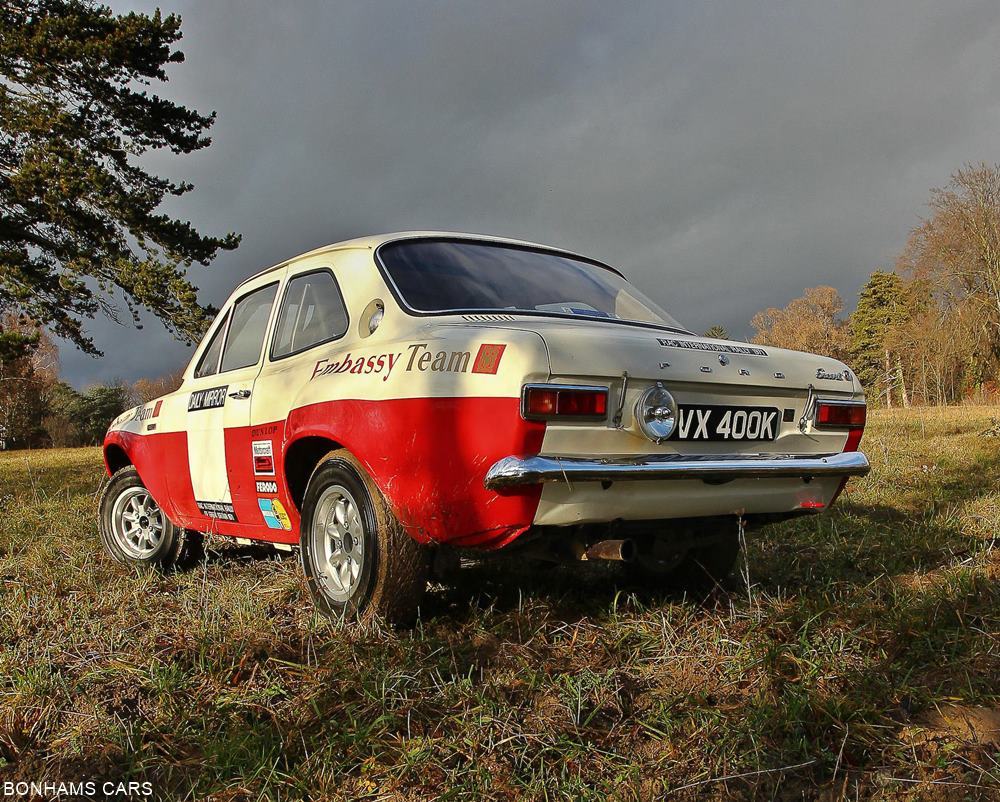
[724,155]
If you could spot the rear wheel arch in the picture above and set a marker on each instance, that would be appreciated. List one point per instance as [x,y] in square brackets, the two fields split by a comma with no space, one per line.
[300,460]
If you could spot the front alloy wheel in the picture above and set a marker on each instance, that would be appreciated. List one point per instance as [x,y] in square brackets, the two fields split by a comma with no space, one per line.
[135,530]
[137,523]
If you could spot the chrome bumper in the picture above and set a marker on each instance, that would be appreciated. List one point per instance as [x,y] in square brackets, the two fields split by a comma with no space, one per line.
[515,471]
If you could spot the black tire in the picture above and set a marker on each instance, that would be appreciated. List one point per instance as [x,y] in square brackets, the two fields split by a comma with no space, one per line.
[391,568]
[174,546]
[697,568]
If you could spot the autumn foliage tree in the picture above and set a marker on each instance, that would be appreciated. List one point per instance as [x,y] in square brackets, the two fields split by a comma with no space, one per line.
[80,219]
[811,323]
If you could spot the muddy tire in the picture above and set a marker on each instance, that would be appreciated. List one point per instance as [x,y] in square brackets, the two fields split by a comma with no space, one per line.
[135,531]
[359,563]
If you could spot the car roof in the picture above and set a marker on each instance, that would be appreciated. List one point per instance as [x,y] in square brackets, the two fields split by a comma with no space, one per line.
[372,241]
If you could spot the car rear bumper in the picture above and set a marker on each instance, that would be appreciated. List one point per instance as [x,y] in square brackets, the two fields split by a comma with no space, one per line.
[517,471]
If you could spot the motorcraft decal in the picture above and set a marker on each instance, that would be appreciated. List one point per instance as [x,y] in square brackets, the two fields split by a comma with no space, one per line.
[221,510]
[264,486]
[212,398]
[728,348]
[417,357]
[263,457]
[274,513]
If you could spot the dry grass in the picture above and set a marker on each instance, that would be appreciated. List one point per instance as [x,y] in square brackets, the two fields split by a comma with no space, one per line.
[862,659]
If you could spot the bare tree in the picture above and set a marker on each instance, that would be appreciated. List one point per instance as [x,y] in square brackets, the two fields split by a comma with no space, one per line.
[958,247]
[810,323]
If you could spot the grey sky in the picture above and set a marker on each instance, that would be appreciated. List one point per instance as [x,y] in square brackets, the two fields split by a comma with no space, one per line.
[724,155]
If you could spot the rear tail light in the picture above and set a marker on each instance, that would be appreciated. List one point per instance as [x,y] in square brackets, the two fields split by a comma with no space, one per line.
[843,415]
[840,415]
[564,402]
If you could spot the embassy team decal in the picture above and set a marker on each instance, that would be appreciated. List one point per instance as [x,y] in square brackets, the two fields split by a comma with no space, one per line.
[264,486]
[274,513]
[263,457]
[212,398]
[418,357]
[220,510]
[728,348]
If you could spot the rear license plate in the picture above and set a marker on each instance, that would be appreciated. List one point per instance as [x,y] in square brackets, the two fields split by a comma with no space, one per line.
[711,422]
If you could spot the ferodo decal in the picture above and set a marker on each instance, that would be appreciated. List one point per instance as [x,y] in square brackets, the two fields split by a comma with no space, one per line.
[264,486]
[263,457]
[417,357]
[728,348]
[488,358]
[221,510]
[212,398]
[274,513]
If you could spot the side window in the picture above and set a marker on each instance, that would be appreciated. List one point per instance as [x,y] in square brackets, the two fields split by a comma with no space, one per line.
[246,331]
[209,362]
[312,312]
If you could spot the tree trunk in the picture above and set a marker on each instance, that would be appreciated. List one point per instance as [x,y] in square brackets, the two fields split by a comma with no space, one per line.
[902,383]
[888,381]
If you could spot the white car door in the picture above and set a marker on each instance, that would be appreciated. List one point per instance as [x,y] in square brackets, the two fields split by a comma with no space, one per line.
[218,406]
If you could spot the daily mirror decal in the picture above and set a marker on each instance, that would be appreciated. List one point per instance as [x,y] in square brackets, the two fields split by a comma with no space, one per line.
[212,398]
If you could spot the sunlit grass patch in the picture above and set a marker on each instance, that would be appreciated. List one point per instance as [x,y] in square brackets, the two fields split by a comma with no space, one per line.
[843,662]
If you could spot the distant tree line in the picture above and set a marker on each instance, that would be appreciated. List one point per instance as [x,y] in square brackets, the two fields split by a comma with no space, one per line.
[38,410]
[927,330]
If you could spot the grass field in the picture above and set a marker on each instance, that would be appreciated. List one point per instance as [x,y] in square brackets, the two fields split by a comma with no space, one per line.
[858,656]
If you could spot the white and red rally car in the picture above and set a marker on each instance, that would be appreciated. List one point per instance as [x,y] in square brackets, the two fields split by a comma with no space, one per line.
[384,400]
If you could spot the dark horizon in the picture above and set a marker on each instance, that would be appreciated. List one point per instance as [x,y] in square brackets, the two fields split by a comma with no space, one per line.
[724,158]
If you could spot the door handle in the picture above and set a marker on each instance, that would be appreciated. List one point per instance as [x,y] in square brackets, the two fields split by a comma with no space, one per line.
[240,394]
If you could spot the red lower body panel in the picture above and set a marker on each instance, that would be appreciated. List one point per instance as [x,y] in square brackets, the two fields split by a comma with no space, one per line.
[428,456]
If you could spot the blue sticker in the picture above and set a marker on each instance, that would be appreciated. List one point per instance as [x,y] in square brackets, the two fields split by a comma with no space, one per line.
[267,510]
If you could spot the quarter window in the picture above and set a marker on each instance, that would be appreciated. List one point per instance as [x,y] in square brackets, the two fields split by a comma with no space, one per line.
[246,331]
[312,312]
[209,362]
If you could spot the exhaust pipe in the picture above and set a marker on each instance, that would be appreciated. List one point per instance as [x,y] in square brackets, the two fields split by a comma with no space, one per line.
[619,550]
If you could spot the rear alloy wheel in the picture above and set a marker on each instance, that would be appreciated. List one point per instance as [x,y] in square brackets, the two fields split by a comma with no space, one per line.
[358,562]
[135,530]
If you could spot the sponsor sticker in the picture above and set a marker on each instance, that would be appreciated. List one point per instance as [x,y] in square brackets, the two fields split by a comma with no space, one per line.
[488,358]
[417,358]
[212,398]
[727,348]
[265,486]
[274,513]
[220,510]
[263,457]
